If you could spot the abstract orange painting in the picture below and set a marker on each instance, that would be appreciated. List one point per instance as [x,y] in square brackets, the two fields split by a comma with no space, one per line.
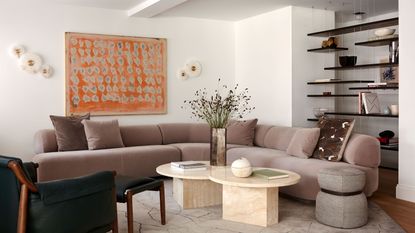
[115,75]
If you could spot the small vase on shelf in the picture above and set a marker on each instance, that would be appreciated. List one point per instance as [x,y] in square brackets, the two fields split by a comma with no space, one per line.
[218,146]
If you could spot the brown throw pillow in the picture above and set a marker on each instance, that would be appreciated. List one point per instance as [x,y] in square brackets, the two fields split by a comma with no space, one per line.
[241,132]
[334,135]
[303,143]
[69,131]
[102,134]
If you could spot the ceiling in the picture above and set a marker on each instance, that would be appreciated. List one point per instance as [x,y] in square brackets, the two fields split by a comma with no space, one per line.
[234,10]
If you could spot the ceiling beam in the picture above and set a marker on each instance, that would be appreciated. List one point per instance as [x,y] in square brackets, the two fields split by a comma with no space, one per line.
[150,8]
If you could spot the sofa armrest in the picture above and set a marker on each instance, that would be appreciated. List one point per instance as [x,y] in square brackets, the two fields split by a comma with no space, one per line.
[63,190]
[362,150]
[45,141]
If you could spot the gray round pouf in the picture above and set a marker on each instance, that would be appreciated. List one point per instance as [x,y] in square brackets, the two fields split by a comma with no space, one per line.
[341,202]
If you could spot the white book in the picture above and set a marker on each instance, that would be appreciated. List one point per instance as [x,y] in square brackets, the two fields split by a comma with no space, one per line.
[189,169]
[371,102]
[188,164]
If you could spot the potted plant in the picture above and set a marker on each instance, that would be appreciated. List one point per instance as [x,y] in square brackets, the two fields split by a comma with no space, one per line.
[217,109]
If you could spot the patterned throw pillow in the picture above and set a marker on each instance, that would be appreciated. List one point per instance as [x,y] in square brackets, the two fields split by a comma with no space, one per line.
[334,134]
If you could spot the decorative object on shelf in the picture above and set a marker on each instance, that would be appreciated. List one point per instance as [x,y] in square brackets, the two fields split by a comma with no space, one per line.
[394,109]
[326,92]
[182,74]
[359,15]
[334,134]
[385,136]
[217,109]
[347,60]
[319,112]
[241,168]
[331,42]
[394,52]
[386,110]
[193,68]
[389,74]
[30,62]
[102,69]
[17,50]
[371,102]
[46,71]
[384,32]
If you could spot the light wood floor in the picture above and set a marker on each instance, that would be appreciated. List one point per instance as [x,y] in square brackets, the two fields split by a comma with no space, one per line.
[402,212]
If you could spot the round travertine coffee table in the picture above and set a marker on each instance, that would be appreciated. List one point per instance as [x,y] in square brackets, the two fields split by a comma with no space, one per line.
[193,189]
[251,200]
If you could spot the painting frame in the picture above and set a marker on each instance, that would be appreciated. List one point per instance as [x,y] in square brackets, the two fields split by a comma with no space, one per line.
[115,74]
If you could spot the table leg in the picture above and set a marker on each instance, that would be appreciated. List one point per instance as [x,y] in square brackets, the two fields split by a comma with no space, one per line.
[257,206]
[196,193]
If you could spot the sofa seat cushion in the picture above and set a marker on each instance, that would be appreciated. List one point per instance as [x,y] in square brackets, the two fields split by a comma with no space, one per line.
[129,161]
[308,186]
[198,151]
[257,156]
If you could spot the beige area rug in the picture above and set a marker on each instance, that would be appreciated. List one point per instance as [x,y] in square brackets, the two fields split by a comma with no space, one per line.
[294,217]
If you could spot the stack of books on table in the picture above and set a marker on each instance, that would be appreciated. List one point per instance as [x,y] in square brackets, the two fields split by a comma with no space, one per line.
[189,166]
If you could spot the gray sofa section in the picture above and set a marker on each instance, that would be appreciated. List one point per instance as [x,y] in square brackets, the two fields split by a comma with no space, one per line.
[148,146]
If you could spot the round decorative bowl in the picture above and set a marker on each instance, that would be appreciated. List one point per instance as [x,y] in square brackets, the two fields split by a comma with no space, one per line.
[319,112]
[241,168]
[384,32]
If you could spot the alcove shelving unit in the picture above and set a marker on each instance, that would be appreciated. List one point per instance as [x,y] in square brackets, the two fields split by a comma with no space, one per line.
[368,43]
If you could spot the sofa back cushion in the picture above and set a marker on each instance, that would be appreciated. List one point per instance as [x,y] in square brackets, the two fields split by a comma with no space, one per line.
[140,135]
[278,137]
[184,132]
[260,133]
[45,141]
[103,134]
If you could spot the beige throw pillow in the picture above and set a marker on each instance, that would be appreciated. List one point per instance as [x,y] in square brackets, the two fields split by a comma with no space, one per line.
[334,135]
[241,132]
[70,133]
[102,134]
[303,142]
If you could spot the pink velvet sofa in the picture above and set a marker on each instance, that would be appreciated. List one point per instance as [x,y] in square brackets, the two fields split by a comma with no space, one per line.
[148,146]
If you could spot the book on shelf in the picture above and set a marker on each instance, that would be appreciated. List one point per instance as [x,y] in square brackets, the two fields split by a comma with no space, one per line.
[361,108]
[269,174]
[377,84]
[189,165]
[371,103]
[327,80]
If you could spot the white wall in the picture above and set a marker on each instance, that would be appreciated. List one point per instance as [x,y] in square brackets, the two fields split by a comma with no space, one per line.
[309,66]
[263,64]
[26,101]
[406,186]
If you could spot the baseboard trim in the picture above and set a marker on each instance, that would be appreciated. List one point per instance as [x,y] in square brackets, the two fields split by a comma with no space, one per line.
[405,192]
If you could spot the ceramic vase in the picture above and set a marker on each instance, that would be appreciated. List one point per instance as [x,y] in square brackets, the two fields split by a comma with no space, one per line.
[218,146]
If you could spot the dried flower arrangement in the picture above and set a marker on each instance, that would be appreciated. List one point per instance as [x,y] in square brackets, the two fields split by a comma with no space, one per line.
[225,103]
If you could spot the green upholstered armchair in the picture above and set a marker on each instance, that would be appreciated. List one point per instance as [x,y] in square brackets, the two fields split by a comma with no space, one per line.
[78,205]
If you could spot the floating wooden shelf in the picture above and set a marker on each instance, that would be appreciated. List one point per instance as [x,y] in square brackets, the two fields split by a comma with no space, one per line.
[372,88]
[361,66]
[358,114]
[357,28]
[380,42]
[347,95]
[326,50]
[341,81]
[312,119]
[392,148]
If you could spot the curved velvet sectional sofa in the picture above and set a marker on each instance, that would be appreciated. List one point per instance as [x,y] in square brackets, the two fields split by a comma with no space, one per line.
[148,146]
